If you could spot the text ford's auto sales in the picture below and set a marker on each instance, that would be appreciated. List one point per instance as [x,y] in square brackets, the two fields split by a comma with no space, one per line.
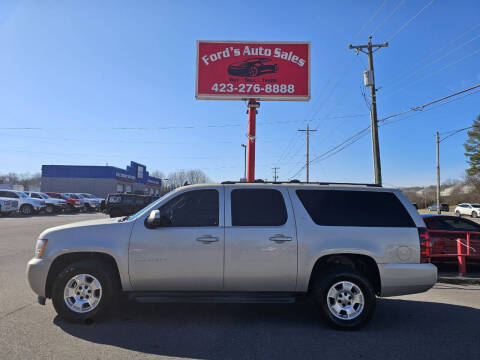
[242,70]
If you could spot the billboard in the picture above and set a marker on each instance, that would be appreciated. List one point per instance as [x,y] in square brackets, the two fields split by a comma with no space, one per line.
[241,70]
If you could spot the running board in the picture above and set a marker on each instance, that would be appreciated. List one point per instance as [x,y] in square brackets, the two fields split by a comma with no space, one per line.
[213,298]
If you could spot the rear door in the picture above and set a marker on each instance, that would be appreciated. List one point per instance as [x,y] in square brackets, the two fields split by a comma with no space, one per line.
[260,239]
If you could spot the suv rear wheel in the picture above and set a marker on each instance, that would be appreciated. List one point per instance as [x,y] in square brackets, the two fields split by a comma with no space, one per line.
[83,291]
[344,297]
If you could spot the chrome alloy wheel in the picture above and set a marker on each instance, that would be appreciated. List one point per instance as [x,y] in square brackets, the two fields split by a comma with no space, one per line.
[345,300]
[82,293]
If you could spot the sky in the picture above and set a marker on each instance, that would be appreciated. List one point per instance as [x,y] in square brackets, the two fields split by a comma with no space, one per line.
[76,70]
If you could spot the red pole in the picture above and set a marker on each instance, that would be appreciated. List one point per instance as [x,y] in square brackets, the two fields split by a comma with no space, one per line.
[462,268]
[252,112]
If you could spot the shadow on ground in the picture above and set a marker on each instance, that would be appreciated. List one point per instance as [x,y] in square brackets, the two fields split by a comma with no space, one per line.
[400,329]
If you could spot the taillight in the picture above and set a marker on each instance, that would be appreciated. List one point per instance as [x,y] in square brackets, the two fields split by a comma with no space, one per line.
[425,245]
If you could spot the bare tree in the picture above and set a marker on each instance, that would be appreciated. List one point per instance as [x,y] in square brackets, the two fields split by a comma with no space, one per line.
[26,180]
[179,177]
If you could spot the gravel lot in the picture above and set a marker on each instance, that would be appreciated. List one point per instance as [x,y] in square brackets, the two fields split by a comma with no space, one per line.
[440,324]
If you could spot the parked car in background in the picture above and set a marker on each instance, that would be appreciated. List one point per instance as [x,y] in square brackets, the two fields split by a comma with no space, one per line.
[92,203]
[443,232]
[126,204]
[72,204]
[51,204]
[472,210]
[8,206]
[240,242]
[80,200]
[443,207]
[26,204]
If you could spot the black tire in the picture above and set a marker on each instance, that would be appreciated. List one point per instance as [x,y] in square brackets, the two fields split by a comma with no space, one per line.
[26,210]
[474,214]
[115,212]
[326,280]
[49,209]
[70,208]
[109,289]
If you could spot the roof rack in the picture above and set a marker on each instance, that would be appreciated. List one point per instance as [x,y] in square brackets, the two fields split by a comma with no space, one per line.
[295,181]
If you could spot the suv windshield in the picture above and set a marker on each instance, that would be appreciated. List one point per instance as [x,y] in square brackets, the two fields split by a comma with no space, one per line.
[45,196]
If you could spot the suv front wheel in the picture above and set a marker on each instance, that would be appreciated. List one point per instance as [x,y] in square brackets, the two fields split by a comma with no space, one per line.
[344,297]
[83,291]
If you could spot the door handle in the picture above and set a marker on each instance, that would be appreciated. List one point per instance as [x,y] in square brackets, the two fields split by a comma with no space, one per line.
[207,239]
[280,238]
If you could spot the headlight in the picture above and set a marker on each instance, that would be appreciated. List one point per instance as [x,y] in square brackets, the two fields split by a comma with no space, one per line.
[40,247]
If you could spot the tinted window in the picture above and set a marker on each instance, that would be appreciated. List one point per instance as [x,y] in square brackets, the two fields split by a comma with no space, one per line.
[355,208]
[258,207]
[461,224]
[191,209]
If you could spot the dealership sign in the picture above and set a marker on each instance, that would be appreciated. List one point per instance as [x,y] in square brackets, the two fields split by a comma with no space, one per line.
[228,70]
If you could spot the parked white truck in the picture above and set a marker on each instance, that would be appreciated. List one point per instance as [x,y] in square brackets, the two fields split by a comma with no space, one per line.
[8,206]
[26,204]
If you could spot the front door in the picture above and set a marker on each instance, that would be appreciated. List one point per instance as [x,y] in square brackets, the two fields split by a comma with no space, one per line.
[185,253]
[260,240]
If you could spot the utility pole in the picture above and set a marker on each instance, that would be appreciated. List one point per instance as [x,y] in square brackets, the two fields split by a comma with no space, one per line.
[369,79]
[275,177]
[244,161]
[437,136]
[307,160]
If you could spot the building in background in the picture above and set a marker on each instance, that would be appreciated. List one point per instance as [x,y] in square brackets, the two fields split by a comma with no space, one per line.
[99,180]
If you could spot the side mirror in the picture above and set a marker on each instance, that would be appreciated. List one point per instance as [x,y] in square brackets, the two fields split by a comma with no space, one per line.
[153,220]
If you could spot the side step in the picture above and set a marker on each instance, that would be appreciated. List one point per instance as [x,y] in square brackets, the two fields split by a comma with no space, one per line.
[243,298]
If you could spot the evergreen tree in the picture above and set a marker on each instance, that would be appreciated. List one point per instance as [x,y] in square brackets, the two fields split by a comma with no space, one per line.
[472,149]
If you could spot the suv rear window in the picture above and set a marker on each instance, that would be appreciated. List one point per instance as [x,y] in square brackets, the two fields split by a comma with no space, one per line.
[355,208]
[258,207]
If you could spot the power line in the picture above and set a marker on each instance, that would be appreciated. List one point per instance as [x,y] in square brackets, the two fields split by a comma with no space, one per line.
[421,107]
[352,139]
[369,20]
[454,132]
[293,140]
[357,136]
[432,73]
[388,17]
[410,74]
[409,21]
[440,49]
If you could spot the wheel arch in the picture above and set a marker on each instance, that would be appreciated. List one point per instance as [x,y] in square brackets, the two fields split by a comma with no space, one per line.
[63,260]
[359,262]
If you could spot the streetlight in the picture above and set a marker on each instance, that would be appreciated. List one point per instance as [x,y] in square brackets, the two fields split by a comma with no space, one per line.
[245,161]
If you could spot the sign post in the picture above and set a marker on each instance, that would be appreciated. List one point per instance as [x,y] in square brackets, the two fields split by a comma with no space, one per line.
[252,71]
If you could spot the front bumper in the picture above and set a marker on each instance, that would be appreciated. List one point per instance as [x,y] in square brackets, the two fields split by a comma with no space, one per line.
[403,279]
[37,271]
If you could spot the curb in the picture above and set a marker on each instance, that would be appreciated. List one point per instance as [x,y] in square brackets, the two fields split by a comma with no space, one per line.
[459,280]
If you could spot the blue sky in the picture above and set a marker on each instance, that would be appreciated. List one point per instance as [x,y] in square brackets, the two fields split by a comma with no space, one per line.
[77,69]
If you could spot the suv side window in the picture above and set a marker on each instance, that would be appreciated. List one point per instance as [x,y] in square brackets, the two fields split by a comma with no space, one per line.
[191,209]
[258,207]
[355,208]
[36,196]
[9,194]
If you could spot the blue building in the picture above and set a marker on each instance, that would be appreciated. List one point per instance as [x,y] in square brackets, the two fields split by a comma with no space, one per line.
[99,180]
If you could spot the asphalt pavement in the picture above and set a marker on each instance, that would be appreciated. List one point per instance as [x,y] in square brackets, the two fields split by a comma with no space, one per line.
[442,323]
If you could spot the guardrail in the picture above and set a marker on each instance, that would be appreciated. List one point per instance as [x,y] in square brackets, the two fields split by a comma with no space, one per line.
[464,249]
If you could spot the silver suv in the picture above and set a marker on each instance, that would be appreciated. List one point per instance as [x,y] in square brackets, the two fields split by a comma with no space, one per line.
[237,242]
